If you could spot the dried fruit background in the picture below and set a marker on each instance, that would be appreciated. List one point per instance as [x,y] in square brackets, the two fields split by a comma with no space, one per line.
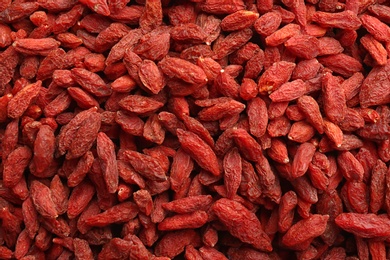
[198,129]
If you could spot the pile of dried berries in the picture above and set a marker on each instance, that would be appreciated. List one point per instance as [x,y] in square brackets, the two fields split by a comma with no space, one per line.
[198,129]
